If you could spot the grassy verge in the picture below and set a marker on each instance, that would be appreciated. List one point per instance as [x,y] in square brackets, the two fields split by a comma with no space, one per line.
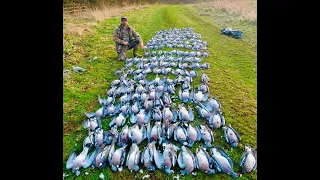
[232,72]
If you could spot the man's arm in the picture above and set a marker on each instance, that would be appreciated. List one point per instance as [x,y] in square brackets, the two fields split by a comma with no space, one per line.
[116,38]
[137,36]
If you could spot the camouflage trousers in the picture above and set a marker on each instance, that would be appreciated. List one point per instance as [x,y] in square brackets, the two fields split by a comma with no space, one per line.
[122,49]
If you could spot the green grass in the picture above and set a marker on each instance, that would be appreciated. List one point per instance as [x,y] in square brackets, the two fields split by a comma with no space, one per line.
[233,74]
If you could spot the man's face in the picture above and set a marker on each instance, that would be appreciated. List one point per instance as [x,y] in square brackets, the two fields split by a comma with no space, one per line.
[124,22]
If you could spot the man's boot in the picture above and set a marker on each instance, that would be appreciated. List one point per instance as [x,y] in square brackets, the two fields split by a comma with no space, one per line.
[121,55]
[135,54]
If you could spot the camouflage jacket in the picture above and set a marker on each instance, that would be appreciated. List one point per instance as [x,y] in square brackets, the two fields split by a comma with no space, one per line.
[121,35]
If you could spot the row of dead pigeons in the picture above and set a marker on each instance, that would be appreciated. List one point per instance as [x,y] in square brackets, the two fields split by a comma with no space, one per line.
[177,38]
[155,118]
[175,52]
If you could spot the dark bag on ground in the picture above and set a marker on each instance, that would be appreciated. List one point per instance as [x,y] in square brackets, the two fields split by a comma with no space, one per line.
[233,33]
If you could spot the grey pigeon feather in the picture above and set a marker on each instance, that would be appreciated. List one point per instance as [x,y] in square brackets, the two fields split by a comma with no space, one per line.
[78,69]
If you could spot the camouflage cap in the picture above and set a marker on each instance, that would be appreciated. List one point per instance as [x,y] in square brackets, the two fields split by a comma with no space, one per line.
[124,17]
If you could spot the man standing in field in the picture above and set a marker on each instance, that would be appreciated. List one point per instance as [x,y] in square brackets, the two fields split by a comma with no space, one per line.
[126,38]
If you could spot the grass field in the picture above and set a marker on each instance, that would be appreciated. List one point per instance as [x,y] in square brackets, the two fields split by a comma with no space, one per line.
[233,74]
